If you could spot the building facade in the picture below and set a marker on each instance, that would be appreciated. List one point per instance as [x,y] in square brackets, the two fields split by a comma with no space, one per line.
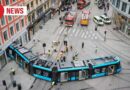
[12,29]
[121,15]
[20,29]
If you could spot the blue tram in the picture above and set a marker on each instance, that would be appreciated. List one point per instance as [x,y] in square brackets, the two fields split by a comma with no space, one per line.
[64,71]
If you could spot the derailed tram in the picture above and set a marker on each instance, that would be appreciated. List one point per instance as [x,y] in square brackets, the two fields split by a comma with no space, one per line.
[64,71]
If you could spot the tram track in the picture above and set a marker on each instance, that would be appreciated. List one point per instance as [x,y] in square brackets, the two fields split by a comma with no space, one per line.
[61,41]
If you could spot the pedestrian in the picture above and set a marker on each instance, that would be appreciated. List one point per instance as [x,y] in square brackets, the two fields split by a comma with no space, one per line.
[66,49]
[59,11]
[82,44]
[105,32]
[107,6]
[71,48]
[96,50]
[60,18]
[64,58]
[96,28]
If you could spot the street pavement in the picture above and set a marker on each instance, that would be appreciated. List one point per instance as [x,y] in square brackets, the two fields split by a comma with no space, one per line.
[116,44]
[20,77]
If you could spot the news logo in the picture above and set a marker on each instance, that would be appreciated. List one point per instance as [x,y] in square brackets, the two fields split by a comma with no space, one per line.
[1,11]
[13,10]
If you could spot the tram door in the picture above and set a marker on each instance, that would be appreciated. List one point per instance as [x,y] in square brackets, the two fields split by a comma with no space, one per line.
[63,76]
[82,75]
[111,69]
[26,67]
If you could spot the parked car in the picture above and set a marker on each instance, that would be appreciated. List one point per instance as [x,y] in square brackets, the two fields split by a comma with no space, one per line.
[98,20]
[105,19]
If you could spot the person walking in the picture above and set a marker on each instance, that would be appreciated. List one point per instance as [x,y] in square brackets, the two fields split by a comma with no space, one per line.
[71,48]
[82,44]
[96,27]
[96,50]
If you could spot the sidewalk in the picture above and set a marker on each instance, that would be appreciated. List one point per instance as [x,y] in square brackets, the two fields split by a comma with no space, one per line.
[21,77]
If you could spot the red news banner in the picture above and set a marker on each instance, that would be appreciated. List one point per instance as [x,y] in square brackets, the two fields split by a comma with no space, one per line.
[13,10]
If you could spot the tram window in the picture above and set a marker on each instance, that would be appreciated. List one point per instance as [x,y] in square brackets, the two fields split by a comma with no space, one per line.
[66,75]
[45,73]
[104,69]
[19,59]
[38,71]
[97,70]
[84,73]
[118,65]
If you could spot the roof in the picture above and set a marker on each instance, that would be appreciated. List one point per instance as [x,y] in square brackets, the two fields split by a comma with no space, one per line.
[97,17]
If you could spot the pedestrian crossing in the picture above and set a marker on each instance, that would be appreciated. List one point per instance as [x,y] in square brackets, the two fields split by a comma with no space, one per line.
[79,33]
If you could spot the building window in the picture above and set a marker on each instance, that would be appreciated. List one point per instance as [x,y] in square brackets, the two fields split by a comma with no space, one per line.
[22,21]
[124,5]
[32,4]
[29,19]
[45,6]
[33,17]
[7,2]
[36,1]
[3,20]
[9,18]
[27,6]
[14,0]
[0,40]
[113,2]
[11,31]
[17,26]
[5,35]
[118,3]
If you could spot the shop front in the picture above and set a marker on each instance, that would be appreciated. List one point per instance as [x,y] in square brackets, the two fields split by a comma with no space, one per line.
[2,59]
[122,23]
[47,15]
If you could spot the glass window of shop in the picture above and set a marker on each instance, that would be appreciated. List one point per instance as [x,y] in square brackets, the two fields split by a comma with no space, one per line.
[2,60]
[124,5]
[113,2]
[118,3]
[129,11]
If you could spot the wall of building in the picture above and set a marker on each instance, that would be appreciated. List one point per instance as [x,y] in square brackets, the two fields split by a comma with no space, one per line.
[11,28]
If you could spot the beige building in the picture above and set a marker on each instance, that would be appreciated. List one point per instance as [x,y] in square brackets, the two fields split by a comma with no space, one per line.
[39,10]
[121,15]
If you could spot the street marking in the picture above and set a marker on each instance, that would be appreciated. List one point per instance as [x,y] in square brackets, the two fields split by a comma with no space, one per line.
[76,33]
[82,35]
[93,34]
[96,37]
[85,36]
[74,30]
[89,35]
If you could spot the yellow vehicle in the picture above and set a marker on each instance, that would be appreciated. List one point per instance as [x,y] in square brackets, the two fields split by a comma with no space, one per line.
[85,18]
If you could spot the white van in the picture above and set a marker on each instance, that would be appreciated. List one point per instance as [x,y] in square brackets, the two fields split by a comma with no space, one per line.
[105,19]
[98,20]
